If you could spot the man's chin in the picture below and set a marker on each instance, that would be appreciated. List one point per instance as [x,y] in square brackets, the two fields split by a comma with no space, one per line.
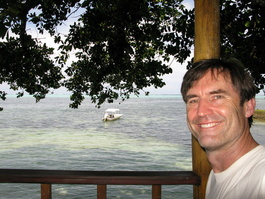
[207,144]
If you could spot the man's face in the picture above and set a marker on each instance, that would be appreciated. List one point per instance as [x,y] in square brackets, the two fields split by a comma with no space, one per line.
[214,114]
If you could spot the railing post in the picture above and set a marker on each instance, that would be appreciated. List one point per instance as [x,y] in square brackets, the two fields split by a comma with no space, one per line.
[46,191]
[101,191]
[207,46]
[156,191]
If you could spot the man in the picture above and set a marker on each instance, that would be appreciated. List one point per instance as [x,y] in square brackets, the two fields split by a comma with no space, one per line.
[220,102]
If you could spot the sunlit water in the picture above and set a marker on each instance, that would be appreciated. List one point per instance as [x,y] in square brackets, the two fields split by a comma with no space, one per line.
[151,136]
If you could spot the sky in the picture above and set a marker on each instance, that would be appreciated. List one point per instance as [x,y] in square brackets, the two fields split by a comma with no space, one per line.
[173,80]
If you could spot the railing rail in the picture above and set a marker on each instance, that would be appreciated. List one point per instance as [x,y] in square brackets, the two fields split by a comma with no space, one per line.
[100,178]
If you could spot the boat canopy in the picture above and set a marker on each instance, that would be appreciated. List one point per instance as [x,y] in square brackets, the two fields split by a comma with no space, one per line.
[112,110]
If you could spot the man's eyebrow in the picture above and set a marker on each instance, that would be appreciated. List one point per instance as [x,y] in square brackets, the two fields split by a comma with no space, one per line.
[219,91]
[190,96]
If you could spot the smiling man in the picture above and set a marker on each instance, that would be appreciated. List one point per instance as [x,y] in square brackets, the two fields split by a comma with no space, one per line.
[220,102]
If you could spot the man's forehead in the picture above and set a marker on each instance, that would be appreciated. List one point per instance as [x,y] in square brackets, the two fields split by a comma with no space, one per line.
[214,75]
[218,74]
[213,81]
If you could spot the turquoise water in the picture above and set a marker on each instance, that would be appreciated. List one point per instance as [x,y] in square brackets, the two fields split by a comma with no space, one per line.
[151,135]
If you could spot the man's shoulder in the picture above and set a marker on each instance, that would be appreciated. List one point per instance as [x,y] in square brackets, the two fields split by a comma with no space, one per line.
[260,150]
[258,156]
[254,159]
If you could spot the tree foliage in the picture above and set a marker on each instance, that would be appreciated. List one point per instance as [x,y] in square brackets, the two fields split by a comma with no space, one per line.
[121,46]
[243,33]
[26,63]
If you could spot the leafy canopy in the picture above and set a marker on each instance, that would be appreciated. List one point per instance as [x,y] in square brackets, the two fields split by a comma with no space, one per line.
[243,33]
[121,46]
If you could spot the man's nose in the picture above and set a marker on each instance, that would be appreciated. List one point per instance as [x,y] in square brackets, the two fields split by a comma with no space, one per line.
[204,108]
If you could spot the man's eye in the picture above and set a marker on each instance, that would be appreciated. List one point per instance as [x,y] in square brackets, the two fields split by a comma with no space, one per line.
[193,101]
[217,97]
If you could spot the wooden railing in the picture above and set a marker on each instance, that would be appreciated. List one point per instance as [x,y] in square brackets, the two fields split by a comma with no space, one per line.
[100,178]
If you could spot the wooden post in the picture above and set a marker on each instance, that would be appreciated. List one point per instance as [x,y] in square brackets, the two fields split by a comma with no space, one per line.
[46,191]
[101,191]
[207,45]
[156,191]
[207,29]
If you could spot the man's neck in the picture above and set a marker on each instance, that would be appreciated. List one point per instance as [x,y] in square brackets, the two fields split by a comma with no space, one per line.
[222,159]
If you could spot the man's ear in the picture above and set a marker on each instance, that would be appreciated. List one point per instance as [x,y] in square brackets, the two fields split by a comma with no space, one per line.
[250,107]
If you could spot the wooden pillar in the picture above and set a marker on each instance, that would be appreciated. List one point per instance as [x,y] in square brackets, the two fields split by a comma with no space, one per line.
[207,45]
[207,29]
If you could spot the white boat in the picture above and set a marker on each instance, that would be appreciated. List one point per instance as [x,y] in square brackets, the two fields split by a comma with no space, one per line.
[111,114]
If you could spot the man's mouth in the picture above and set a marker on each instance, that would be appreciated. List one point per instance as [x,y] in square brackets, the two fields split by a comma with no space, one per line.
[209,125]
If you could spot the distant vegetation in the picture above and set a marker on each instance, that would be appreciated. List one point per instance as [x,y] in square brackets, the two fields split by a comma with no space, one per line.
[259,116]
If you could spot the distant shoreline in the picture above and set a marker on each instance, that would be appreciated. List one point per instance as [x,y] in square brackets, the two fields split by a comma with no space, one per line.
[141,95]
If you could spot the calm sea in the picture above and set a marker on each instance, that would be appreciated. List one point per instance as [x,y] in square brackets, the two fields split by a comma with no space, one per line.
[151,135]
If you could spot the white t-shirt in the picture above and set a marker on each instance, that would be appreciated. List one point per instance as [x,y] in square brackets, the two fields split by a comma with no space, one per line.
[245,179]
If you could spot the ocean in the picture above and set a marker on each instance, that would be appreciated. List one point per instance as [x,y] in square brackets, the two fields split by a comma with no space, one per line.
[152,135]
